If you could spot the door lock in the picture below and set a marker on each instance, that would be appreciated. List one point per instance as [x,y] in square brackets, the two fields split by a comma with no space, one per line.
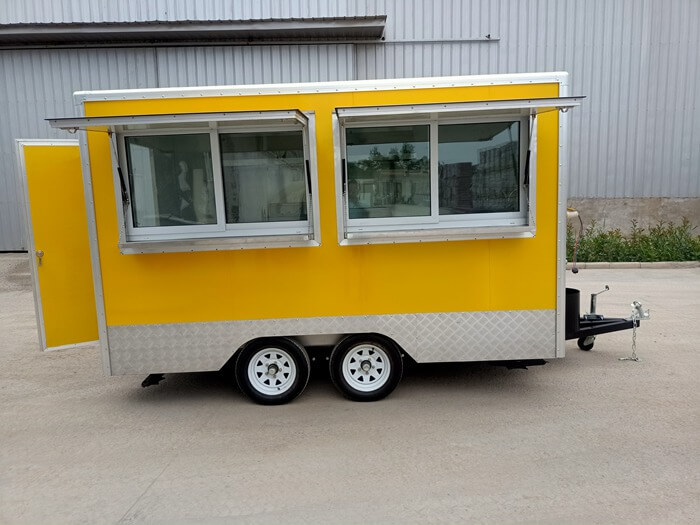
[39,254]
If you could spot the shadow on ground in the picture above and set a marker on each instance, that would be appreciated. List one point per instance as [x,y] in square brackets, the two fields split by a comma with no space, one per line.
[417,378]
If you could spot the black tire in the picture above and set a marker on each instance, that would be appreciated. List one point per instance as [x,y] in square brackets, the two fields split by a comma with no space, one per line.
[384,360]
[285,357]
[585,346]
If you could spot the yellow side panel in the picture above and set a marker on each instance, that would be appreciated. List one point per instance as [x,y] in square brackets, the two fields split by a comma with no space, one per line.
[330,280]
[59,225]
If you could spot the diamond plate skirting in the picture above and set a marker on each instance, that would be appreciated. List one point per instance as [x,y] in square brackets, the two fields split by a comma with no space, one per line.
[427,337]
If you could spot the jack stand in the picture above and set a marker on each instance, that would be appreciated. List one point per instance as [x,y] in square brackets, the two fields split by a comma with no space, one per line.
[151,380]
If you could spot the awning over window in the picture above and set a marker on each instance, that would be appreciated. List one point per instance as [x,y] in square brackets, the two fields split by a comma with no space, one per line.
[455,109]
[340,28]
[292,116]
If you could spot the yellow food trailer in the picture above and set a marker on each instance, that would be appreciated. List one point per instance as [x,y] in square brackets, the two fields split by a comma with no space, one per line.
[387,218]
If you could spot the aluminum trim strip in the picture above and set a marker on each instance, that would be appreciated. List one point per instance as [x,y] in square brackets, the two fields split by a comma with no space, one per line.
[562,192]
[94,253]
[217,244]
[427,337]
[444,236]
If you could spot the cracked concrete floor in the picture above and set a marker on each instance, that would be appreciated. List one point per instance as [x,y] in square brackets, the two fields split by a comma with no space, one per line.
[586,439]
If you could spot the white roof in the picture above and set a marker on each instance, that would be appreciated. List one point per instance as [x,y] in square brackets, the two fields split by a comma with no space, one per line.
[560,77]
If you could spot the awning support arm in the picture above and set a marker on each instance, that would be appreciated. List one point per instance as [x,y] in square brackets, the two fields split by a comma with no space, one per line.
[526,179]
[115,160]
[343,177]
[308,176]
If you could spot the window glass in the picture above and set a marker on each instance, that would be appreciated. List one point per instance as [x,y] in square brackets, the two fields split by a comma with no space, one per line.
[171,180]
[264,176]
[388,171]
[479,167]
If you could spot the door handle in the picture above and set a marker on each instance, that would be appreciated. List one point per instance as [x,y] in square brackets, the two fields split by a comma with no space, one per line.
[39,254]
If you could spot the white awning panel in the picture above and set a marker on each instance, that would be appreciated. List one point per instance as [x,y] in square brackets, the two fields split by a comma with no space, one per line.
[292,116]
[523,107]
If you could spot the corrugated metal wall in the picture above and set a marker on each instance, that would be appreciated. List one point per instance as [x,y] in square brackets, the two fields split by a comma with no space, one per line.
[637,61]
[637,135]
[40,83]
[192,66]
[56,11]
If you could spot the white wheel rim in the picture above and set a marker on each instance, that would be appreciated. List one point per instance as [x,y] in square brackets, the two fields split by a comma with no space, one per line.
[366,367]
[272,371]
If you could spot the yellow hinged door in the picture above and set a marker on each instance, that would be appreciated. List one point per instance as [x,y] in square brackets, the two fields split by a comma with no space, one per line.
[58,243]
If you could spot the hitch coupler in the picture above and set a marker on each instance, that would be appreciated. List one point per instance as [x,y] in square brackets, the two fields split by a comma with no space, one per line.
[640,312]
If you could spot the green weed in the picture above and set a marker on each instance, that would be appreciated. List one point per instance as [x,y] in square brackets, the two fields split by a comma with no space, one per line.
[662,242]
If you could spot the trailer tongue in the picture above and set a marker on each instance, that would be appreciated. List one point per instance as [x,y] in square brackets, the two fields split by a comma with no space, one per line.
[586,327]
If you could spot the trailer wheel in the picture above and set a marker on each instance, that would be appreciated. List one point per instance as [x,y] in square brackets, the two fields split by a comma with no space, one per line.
[273,371]
[586,343]
[365,368]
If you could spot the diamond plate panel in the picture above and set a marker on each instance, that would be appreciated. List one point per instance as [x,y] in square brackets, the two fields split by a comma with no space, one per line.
[427,337]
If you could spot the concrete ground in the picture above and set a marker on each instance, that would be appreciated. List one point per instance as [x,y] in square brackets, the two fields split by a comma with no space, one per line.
[586,439]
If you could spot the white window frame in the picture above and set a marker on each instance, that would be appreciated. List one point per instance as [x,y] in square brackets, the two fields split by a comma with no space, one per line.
[391,223]
[221,235]
[527,125]
[435,226]
[281,227]
[151,233]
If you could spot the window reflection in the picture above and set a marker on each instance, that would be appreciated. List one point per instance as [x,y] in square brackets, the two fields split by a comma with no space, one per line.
[479,167]
[388,171]
[264,179]
[171,180]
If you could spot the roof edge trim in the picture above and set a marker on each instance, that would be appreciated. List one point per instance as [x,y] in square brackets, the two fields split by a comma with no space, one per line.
[559,77]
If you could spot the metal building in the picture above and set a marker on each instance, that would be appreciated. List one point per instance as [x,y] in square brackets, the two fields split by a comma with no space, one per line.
[635,148]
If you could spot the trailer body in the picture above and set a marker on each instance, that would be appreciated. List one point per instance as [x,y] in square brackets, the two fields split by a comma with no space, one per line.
[488,290]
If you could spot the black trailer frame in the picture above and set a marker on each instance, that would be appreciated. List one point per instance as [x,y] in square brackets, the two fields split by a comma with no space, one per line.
[585,328]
